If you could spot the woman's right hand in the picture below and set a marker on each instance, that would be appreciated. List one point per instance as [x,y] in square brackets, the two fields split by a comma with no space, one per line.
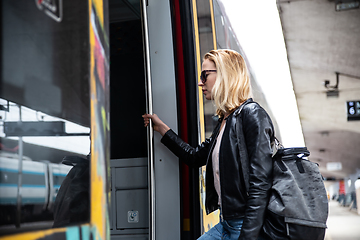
[157,124]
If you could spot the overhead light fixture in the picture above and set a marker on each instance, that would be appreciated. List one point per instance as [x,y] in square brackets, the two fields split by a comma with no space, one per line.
[346,5]
[333,166]
[332,91]
[330,179]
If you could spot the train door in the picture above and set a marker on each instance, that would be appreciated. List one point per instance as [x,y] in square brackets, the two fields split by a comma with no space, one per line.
[129,214]
[145,195]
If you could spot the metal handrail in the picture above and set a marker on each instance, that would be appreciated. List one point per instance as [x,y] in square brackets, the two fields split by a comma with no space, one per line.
[151,163]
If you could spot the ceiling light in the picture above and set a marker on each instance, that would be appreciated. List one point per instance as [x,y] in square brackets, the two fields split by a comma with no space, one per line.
[330,179]
[332,93]
[345,5]
[333,166]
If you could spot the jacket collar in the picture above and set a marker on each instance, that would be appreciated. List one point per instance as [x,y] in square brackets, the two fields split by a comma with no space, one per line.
[238,110]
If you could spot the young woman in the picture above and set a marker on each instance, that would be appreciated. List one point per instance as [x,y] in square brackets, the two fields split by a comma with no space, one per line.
[237,155]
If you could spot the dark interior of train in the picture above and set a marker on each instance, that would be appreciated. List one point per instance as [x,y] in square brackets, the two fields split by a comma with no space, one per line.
[128,136]
[127,82]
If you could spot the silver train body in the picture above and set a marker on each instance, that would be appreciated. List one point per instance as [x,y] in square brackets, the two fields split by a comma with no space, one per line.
[41,181]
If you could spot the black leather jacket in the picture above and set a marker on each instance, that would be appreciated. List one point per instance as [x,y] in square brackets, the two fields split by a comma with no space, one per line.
[245,165]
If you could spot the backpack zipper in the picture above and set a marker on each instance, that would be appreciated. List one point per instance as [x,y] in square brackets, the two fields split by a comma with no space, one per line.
[287,229]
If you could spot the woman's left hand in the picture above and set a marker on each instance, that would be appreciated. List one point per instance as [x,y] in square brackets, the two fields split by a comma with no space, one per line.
[158,125]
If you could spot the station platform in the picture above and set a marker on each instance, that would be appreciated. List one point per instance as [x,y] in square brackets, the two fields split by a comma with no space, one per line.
[342,223]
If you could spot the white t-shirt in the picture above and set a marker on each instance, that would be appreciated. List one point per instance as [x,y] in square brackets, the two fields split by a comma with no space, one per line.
[215,163]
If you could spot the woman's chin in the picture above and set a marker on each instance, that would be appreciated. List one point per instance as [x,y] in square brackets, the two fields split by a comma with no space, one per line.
[208,97]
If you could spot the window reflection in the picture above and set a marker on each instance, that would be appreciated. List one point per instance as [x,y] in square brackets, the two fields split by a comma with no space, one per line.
[206,44]
[72,203]
[41,164]
[44,107]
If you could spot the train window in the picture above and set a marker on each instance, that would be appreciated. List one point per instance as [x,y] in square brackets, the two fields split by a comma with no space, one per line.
[44,116]
[225,38]
[206,38]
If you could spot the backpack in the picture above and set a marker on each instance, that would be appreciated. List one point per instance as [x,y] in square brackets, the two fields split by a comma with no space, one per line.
[298,203]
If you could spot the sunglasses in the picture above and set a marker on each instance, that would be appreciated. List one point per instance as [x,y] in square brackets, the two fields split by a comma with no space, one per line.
[204,75]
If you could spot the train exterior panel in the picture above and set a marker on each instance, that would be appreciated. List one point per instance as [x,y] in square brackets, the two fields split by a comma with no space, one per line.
[101,64]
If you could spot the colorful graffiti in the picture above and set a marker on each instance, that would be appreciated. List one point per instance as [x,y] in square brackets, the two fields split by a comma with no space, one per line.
[99,92]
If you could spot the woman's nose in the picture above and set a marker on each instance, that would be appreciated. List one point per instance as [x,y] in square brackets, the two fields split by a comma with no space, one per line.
[200,83]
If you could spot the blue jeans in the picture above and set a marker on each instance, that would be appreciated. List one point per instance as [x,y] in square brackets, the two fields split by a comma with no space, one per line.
[225,230]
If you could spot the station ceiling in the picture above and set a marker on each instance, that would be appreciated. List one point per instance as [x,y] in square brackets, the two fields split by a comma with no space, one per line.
[322,42]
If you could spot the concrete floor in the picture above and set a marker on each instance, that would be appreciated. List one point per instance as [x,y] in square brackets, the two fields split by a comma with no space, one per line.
[342,224]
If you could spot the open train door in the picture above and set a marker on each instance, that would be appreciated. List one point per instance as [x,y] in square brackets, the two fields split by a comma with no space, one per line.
[145,192]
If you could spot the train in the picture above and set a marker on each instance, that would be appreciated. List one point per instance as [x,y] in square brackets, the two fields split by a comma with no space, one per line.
[102,64]
[41,181]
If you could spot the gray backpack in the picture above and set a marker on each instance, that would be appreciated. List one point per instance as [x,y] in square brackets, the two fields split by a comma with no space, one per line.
[298,205]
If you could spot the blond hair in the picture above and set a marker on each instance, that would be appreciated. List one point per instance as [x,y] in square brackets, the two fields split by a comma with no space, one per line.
[232,86]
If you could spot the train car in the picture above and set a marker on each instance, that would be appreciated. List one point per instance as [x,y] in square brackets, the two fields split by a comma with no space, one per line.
[99,65]
[41,181]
